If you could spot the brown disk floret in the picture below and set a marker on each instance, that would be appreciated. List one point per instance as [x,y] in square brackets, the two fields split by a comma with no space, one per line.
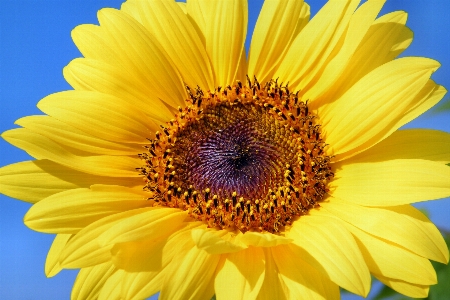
[246,157]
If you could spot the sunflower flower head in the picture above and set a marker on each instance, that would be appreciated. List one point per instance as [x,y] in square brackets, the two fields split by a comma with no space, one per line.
[254,155]
[177,164]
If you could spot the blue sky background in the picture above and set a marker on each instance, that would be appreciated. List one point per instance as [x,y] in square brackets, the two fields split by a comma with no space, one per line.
[35,45]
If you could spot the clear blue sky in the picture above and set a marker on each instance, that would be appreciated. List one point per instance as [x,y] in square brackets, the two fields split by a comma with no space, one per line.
[35,45]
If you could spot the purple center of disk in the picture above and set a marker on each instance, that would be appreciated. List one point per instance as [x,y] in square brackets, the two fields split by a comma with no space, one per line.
[233,149]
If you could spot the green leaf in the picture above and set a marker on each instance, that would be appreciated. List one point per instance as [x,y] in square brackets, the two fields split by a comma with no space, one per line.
[425,211]
[443,106]
[441,291]
[388,293]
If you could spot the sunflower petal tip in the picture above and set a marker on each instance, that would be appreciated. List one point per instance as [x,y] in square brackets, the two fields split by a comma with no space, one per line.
[29,222]
[446,256]
[434,65]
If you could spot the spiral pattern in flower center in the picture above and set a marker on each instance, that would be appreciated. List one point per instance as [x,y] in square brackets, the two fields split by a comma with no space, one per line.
[246,157]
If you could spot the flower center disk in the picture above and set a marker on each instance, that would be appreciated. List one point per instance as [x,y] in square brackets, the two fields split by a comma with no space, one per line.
[243,157]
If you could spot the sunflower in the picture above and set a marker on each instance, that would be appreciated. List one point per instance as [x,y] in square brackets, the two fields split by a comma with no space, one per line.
[178,165]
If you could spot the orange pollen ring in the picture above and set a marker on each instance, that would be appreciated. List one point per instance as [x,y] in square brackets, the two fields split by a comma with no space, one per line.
[242,157]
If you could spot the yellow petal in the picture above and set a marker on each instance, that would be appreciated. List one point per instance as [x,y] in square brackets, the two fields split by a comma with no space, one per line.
[170,26]
[41,147]
[84,249]
[145,277]
[122,40]
[196,11]
[409,144]
[182,5]
[32,181]
[90,281]
[313,46]
[398,264]
[368,110]
[112,288]
[52,265]
[74,138]
[405,288]
[151,224]
[217,241]
[386,38]
[141,285]
[302,280]
[190,275]
[85,74]
[129,256]
[241,276]
[303,19]
[70,211]
[274,29]
[93,43]
[403,225]
[241,73]
[225,36]
[104,116]
[358,26]
[263,239]
[430,95]
[144,54]
[273,286]
[315,235]
[392,182]
[180,241]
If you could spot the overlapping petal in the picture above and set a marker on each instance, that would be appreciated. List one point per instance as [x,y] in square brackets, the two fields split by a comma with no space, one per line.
[273,285]
[181,283]
[405,288]
[140,285]
[358,26]
[408,144]
[35,180]
[389,260]
[302,280]
[150,224]
[105,116]
[386,38]
[72,210]
[112,288]
[217,241]
[315,235]
[76,140]
[428,96]
[90,281]
[372,107]
[120,38]
[241,275]
[312,48]
[41,147]
[391,182]
[170,26]
[276,26]
[85,250]
[224,21]
[402,225]
[257,239]
[52,264]
[87,74]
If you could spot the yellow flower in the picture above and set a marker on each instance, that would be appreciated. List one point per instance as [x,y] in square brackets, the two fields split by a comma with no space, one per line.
[280,176]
